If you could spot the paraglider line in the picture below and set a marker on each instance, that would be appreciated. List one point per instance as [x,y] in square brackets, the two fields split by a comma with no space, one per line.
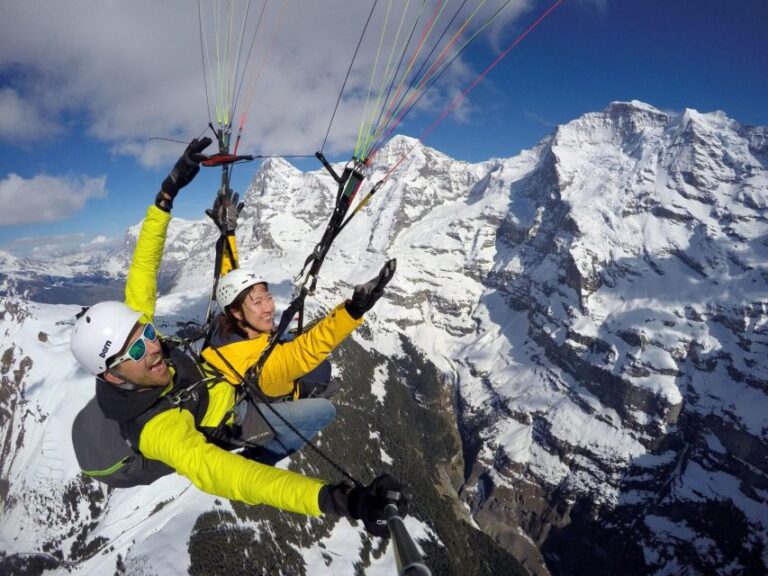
[202,55]
[404,109]
[256,76]
[165,139]
[425,34]
[456,101]
[417,78]
[392,79]
[346,78]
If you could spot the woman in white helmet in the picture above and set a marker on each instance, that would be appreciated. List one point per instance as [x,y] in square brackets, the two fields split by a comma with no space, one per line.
[242,333]
[249,309]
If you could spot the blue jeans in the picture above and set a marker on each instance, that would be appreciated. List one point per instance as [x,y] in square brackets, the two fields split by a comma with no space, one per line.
[308,416]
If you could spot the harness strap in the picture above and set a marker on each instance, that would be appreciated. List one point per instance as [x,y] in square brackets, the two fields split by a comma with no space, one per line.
[250,386]
[241,393]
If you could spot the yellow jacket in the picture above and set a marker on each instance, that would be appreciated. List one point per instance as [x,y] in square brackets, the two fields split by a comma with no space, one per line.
[175,438]
[288,361]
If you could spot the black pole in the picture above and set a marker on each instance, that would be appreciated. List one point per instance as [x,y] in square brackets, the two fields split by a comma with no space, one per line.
[328,167]
[409,560]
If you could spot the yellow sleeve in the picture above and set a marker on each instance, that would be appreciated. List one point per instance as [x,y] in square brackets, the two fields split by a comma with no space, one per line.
[290,360]
[141,285]
[239,355]
[229,255]
[171,437]
[294,359]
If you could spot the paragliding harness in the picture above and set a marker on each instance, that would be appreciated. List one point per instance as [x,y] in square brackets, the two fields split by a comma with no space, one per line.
[117,470]
[348,185]
[103,450]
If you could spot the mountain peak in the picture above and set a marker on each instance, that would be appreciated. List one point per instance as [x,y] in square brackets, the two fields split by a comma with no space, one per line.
[397,146]
[401,141]
[633,106]
[708,121]
[279,165]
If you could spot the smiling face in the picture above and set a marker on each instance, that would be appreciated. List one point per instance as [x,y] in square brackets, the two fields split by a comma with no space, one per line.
[257,312]
[150,371]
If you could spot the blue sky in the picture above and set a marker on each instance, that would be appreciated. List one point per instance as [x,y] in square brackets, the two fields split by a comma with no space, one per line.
[85,84]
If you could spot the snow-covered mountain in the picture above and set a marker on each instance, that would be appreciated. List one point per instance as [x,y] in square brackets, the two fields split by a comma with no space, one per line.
[571,358]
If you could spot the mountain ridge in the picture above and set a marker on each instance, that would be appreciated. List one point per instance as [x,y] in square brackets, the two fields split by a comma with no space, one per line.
[596,306]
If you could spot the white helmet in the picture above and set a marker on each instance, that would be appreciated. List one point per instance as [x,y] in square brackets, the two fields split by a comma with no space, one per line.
[234,282]
[100,332]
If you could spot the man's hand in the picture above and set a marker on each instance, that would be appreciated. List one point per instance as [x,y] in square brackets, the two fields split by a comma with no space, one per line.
[185,169]
[366,503]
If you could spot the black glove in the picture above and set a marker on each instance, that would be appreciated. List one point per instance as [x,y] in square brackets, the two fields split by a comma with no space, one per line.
[182,173]
[365,503]
[366,295]
[225,211]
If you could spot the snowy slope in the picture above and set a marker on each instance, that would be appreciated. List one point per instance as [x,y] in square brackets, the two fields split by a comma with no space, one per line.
[630,335]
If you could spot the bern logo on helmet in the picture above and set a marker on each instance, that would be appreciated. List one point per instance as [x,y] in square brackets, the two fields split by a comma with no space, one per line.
[104,350]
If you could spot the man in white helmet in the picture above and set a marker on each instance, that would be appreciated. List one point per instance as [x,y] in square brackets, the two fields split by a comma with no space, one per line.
[171,409]
[107,328]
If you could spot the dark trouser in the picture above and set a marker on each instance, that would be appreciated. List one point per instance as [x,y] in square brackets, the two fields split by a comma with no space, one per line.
[260,425]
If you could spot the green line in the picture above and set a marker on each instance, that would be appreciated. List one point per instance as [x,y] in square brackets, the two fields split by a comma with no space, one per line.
[450,61]
[391,81]
[217,44]
[420,84]
[235,93]
[231,71]
[373,75]
[107,471]
[387,79]
[416,53]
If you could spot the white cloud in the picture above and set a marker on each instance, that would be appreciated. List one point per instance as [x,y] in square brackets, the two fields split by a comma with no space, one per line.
[599,5]
[100,241]
[505,27]
[20,120]
[46,198]
[133,70]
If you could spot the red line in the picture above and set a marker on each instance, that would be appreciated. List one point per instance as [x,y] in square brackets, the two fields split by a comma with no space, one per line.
[477,80]
[422,40]
[405,108]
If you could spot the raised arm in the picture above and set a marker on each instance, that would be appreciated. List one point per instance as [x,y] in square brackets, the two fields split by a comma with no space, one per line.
[303,354]
[141,284]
